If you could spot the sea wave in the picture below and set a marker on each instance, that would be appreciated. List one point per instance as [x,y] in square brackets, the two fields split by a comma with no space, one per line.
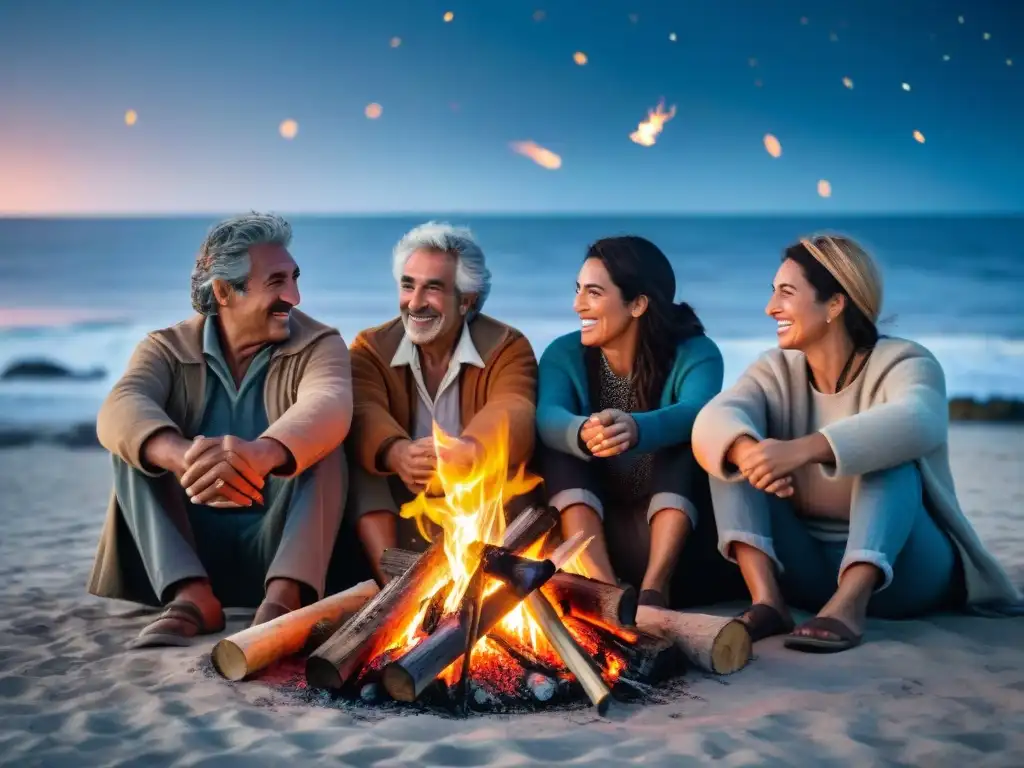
[975,365]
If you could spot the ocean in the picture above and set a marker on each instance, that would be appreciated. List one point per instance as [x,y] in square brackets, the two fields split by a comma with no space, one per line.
[83,292]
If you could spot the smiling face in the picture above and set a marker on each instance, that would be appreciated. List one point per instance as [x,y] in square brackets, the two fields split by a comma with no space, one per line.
[260,315]
[604,315]
[801,318]
[430,305]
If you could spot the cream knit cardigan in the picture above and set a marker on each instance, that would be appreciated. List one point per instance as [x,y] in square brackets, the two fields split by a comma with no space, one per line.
[903,415]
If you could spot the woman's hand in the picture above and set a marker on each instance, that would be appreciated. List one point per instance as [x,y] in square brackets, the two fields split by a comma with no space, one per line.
[769,465]
[609,433]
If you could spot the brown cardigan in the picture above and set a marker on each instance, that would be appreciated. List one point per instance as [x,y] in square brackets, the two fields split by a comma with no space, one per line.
[504,390]
[308,397]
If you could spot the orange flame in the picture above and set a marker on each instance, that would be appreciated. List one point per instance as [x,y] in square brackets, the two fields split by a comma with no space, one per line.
[647,131]
[545,158]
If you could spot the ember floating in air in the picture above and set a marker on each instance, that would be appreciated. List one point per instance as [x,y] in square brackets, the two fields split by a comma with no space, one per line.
[986,36]
[647,131]
[373,111]
[848,82]
[824,188]
[672,36]
[580,58]
[395,42]
[130,117]
[545,158]
[448,16]
[919,137]
[772,145]
[288,129]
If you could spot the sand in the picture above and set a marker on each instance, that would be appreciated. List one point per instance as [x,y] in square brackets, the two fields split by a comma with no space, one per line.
[946,691]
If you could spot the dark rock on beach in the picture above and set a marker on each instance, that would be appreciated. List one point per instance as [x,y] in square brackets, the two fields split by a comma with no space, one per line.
[47,369]
[993,410]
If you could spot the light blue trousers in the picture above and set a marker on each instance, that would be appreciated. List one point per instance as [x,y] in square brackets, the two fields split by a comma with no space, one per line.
[890,528]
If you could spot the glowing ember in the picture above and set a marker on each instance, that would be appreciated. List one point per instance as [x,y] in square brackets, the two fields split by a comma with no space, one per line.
[1009,62]
[647,131]
[373,111]
[395,42]
[945,57]
[848,83]
[672,36]
[960,19]
[824,188]
[919,137]
[772,145]
[288,129]
[580,58]
[986,36]
[130,117]
[545,158]
[448,16]
[905,86]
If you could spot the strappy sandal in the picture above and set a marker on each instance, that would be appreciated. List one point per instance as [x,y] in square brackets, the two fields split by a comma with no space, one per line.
[763,620]
[184,611]
[843,638]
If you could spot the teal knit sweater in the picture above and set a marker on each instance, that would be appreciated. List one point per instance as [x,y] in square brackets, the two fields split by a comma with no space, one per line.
[564,399]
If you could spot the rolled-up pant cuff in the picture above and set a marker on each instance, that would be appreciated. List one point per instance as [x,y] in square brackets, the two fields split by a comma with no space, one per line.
[666,500]
[761,543]
[565,499]
[877,559]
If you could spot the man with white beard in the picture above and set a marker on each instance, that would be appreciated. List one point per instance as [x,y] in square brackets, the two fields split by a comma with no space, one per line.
[439,361]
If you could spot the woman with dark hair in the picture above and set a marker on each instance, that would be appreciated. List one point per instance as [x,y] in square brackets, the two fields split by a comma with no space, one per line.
[616,402]
[829,465]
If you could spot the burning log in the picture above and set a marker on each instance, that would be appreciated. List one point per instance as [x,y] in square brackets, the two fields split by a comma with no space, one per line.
[579,663]
[469,612]
[524,655]
[589,599]
[337,659]
[715,644]
[593,600]
[435,609]
[406,678]
[255,648]
[520,573]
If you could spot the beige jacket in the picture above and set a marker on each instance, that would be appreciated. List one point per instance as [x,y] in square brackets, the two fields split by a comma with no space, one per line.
[308,398]
[903,416]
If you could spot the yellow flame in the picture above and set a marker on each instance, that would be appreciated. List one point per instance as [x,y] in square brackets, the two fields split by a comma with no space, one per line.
[131,117]
[580,58]
[472,508]
[647,131]
[772,145]
[289,129]
[919,137]
[373,111]
[545,158]
[824,188]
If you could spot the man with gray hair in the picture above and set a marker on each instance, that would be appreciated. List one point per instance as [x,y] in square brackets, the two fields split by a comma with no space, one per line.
[226,434]
[442,362]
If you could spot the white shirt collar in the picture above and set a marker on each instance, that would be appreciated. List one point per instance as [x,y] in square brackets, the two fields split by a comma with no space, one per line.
[465,352]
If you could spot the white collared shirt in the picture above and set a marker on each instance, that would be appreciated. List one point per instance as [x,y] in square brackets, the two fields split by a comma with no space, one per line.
[445,407]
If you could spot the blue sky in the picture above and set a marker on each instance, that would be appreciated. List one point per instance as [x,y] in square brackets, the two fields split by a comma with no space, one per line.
[212,81]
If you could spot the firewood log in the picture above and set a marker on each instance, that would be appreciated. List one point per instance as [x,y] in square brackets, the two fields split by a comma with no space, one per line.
[255,648]
[593,600]
[352,645]
[715,644]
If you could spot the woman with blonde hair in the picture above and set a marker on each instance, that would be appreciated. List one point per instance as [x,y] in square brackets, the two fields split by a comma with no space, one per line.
[829,465]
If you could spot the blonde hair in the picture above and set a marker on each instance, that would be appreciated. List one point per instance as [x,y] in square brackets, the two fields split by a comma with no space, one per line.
[852,267]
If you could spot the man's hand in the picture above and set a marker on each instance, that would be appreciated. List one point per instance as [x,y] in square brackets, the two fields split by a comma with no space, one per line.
[413,461]
[609,433]
[227,471]
[460,454]
[769,465]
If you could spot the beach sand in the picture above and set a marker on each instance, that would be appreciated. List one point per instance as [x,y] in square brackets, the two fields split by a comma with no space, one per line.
[944,691]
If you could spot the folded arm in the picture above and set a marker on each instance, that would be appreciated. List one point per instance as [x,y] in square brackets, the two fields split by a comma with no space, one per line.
[319,420]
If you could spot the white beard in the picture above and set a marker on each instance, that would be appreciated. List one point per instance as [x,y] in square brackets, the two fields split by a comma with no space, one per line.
[422,333]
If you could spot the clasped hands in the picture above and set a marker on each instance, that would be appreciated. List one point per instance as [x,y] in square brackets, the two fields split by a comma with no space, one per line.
[228,472]
[608,433]
[768,465]
[415,461]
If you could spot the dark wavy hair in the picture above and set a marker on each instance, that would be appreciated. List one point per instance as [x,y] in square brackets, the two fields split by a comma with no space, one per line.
[863,333]
[639,268]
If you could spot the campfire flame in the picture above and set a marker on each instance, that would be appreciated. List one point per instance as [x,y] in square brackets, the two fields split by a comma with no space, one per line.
[646,132]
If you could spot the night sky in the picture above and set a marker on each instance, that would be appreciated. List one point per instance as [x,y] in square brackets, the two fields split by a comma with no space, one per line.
[212,82]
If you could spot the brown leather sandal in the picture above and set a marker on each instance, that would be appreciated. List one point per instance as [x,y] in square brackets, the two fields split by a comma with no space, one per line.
[184,611]
[763,620]
[842,637]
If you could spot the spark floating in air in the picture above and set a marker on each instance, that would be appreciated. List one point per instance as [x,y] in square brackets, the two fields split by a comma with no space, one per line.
[772,145]
[824,188]
[545,158]
[373,111]
[647,131]
[919,137]
[848,82]
[395,42]
[448,16]
[580,58]
[131,117]
[288,129]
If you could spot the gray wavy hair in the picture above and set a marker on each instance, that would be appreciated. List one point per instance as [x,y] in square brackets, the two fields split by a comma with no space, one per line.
[471,273]
[224,254]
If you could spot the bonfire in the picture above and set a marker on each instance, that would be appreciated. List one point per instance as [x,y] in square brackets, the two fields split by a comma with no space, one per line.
[489,615]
